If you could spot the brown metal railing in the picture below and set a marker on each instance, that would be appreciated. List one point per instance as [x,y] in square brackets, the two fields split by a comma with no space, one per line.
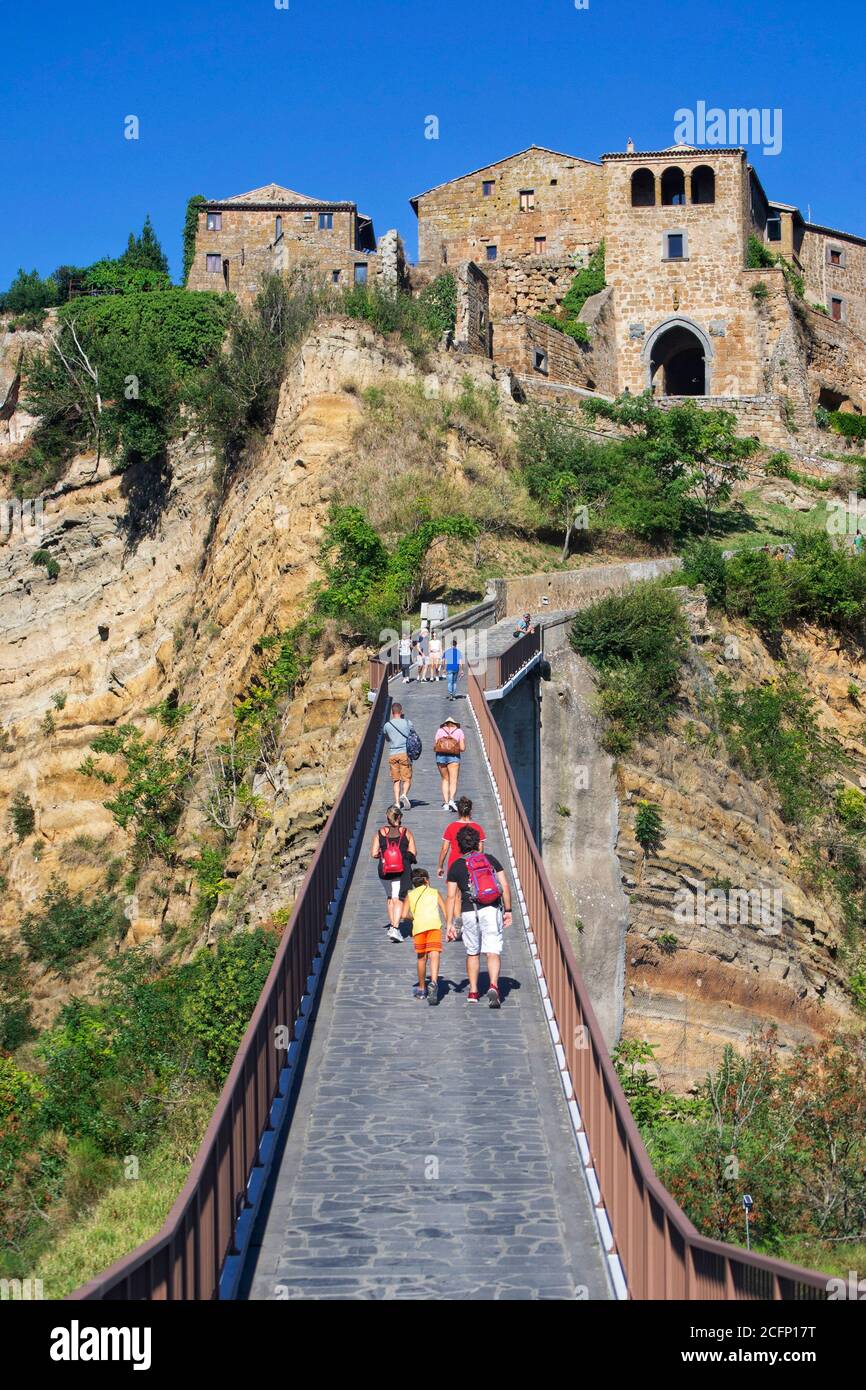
[662,1255]
[513,659]
[185,1259]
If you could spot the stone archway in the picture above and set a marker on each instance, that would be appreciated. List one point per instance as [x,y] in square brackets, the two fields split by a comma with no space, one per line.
[678,355]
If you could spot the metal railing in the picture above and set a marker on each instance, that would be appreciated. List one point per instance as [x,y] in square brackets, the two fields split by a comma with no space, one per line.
[662,1254]
[501,669]
[185,1259]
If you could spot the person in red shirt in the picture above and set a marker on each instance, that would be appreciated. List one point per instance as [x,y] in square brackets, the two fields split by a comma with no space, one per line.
[450,848]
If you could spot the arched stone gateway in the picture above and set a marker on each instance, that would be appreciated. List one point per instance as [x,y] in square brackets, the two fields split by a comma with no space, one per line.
[678,355]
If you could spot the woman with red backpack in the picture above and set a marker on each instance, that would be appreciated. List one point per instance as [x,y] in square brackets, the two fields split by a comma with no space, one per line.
[394,848]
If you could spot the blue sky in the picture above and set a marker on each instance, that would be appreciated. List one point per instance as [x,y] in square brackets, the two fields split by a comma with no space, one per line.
[330,98]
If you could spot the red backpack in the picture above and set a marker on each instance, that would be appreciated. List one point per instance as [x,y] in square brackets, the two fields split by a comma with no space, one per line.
[391,851]
[484,886]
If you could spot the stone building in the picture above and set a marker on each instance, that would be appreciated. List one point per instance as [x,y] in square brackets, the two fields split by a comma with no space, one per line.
[682,312]
[272,228]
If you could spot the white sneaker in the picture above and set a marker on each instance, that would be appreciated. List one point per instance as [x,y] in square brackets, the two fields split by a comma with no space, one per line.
[404,801]
[394,934]
[446,805]
[452,806]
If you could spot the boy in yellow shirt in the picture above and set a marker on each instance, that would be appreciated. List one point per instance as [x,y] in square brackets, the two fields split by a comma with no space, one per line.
[425,908]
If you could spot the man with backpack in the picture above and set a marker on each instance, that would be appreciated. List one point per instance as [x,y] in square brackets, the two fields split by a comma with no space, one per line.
[394,848]
[397,730]
[485,909]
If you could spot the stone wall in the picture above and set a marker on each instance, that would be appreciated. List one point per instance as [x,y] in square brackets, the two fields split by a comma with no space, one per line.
[456,222]
[572,589]
[518,341]
[472,330]
[532,285]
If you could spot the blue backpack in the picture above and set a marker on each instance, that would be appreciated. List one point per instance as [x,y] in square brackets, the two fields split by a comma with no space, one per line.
[413,746]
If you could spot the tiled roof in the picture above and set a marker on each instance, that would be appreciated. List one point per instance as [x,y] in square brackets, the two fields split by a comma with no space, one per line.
[710,151]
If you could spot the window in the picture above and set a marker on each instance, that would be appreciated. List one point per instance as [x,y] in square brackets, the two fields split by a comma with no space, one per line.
[774,229]
[539,360]
[554,182]
[836,309]
[527,200]
[540,245]
[214,221]
[487,188]
[278,228]
[214,264]
[643,188]
[835,255]
[703,184]
[491,253]
[335,277]
[674,246]
[361,274]
[482,320]
[673,188]
[326,221]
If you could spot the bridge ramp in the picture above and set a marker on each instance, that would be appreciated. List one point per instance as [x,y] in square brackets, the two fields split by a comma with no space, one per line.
[430,1154]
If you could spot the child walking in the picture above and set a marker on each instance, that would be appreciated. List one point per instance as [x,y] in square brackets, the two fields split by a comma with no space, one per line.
[425,908]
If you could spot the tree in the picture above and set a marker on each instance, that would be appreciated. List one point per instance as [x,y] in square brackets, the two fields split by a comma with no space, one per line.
[683,441]
[144,252]
[563,469]
[29,292]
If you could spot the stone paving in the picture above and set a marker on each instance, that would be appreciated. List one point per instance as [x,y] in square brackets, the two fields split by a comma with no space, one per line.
[430,1154]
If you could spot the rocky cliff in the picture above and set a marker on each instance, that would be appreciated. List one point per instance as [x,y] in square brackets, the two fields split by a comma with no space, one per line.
[165,583]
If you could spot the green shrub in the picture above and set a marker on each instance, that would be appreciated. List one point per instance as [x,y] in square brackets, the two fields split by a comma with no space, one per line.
[636,641]
[851,808]
[23,816]
[648,829]
[438,305]
[704,563]
[47,562]
[222,991]
[190,231]
[66,925]
[15,1008]
[846,423]
[151,796]
[29,293]
[772,732]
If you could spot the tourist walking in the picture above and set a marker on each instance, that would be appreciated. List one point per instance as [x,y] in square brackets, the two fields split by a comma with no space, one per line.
[425,908]
[424,648]
[405,655]
[480,894]
[394,848]
[420,658]
[449,745]
[397,730]
[450,849]
[453,666]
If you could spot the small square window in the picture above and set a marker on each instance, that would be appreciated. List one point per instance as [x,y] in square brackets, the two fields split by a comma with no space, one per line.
[527,200]
[539,360]
[554,182]
[487,188]
[335,277]
[836,306]
[675,246]
[834,255]
[540,245]
[360,274]
[491,253]
[326,221]
[214,264]
[214,221]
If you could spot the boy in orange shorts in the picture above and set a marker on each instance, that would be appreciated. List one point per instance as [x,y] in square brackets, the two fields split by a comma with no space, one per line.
[424,907]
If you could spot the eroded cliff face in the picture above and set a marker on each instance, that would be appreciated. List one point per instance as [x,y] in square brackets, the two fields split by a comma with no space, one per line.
[698,977]
[166,585]
[669,951]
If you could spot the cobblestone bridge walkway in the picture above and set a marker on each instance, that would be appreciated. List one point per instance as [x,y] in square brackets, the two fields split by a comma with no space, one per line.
[430,1154]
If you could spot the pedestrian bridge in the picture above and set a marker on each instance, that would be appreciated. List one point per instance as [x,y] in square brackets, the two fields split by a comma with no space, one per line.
[366,1145]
